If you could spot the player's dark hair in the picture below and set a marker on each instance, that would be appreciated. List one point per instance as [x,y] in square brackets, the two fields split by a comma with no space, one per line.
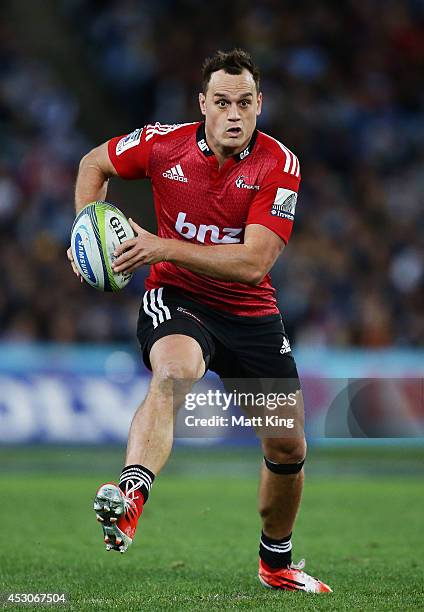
[232,62]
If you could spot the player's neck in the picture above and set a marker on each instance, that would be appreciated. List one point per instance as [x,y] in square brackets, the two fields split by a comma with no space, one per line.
[223,153]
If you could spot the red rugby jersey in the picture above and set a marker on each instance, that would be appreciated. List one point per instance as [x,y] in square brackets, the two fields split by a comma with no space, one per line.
[195,201]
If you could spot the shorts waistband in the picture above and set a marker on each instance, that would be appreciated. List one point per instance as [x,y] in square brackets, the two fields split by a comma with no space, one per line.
[174,295]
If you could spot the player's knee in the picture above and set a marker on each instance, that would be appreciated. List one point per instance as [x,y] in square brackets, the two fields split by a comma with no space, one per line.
[175,370]
[285,451]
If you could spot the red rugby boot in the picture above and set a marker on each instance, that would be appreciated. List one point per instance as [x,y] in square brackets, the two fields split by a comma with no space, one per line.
[290,579]
[118,515]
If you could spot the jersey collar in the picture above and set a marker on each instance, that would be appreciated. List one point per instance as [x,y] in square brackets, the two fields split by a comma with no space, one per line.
[207,151]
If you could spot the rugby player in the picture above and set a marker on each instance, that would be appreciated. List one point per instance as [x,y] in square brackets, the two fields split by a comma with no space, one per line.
[225,196]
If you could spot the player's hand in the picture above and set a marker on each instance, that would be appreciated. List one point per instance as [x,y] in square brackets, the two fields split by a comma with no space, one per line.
[145,248]
[74,268]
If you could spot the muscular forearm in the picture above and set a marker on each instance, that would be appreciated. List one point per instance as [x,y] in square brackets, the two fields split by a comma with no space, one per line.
[91,182]
[230,262]
[244,263]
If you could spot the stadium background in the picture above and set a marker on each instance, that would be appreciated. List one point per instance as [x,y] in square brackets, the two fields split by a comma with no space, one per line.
[343,88]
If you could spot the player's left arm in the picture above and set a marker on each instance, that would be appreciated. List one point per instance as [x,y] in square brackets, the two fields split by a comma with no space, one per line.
[246,263]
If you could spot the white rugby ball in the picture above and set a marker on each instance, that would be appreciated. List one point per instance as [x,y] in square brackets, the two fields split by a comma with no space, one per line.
[98,229]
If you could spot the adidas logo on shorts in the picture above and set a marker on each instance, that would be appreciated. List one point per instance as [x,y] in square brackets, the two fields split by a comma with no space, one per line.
[285,347]
[175,174]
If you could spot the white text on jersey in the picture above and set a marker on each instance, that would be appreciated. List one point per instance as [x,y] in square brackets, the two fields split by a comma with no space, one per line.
[190,230]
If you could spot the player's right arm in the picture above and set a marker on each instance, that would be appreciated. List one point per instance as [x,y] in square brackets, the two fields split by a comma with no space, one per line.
[126,156]
[128,153]
[95,170]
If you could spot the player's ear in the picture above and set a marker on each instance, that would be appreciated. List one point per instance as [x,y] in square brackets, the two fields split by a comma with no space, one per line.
[259,109]
[202,103]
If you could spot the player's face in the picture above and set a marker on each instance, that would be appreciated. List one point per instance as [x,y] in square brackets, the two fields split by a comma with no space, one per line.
[230,106]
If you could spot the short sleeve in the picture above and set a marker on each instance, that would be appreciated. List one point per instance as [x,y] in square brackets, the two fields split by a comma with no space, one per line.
[130,154]
[274,206]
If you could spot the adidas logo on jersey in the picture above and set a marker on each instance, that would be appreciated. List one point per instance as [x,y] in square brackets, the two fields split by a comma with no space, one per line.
[285,347]
[175,174]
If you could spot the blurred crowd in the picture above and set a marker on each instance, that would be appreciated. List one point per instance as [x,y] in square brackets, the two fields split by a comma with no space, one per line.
[342,87]
[40,148]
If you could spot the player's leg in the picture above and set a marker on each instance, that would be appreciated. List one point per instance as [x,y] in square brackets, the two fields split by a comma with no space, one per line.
[259,355]
[281,485]
[177,348]
[280,492]
[174,359]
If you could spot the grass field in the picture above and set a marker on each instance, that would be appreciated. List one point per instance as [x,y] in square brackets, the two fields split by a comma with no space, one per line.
[360,529]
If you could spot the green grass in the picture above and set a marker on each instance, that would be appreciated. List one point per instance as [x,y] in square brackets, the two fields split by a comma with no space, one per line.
[196,548]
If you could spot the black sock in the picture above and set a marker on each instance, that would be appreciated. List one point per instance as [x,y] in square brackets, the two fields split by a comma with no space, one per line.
[275,553]
[136,478]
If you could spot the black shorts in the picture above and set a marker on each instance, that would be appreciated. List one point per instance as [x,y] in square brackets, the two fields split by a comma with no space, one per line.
[232,346]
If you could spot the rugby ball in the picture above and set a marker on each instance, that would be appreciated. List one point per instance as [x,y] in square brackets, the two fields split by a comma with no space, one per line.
[98,229]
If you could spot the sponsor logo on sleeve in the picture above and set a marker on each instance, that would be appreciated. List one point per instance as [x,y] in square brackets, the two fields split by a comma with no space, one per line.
[131,140]
[284,205]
